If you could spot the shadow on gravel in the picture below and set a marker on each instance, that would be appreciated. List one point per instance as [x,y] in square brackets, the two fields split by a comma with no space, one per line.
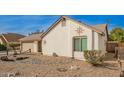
[109,66]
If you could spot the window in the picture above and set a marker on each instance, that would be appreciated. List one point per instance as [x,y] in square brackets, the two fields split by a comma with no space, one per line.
[80,43]
[77,44]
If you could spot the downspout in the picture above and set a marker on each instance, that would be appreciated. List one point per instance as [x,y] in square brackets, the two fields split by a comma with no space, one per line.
[92,40]
[107,32]
[41,45]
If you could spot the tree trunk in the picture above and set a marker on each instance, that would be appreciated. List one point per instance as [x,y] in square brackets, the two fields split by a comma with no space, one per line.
[7,52]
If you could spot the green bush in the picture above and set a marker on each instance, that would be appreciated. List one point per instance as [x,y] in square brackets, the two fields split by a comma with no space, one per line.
[94,57]
[2,47]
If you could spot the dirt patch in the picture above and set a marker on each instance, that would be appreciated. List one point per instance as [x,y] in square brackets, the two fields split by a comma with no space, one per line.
[47,66]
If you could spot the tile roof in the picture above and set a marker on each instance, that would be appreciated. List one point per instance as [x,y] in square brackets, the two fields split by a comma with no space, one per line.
[12,37]
[101,27]
[33,37]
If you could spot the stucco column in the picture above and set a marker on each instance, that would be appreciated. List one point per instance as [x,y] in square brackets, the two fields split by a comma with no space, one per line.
[35,46]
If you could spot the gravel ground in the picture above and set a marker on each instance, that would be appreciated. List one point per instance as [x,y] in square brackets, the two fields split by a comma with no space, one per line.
[47,66]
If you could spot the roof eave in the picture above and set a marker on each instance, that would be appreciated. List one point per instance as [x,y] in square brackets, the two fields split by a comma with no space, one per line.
[47,31]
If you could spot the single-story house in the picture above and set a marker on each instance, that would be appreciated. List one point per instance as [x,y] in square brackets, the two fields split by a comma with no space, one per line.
[32,43]
[68,37]
[8,38]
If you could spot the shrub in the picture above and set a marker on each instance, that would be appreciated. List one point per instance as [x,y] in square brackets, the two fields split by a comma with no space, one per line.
[2,47]
[94,57]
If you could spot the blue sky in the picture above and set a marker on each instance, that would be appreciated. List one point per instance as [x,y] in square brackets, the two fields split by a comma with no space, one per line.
[25,24]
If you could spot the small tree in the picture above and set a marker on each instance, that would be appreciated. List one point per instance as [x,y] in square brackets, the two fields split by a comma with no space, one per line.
[117,34]
[2,47]
[94,57]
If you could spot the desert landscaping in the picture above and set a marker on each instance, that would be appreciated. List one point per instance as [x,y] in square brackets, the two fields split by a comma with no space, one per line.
[67,48]
[37,65]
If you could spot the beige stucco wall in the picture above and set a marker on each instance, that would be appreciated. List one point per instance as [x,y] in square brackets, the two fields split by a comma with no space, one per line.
[35,46]
[96,41]
[102,44]
[30,45]
[86,32]
[56,41]
[60,40]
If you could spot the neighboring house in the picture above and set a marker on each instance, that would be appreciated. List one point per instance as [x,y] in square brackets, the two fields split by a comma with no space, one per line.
[2,40]
[67,37]
[103,28]
[31,42]
[10,38]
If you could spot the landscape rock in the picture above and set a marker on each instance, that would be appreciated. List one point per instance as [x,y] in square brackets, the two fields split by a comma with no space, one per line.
[5,58]
[74,68]
[55,55]
[62,69]
[21,58]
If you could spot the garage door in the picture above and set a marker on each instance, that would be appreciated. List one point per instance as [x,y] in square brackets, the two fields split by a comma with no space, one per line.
[27,46]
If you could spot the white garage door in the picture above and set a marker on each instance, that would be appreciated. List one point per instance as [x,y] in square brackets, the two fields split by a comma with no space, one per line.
[27,46]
